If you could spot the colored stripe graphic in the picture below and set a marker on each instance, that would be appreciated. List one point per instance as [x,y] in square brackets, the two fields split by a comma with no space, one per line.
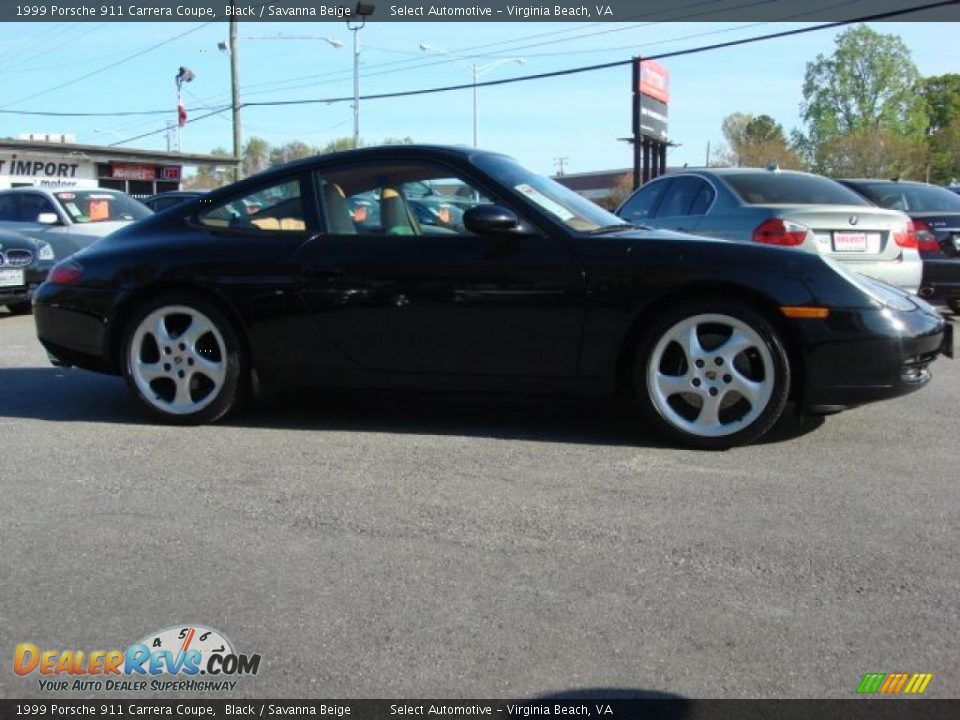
[871,683]
[918,683]
[894,683]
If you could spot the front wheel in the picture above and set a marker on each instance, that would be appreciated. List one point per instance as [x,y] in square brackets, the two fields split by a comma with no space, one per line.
[713,374]
[183,360]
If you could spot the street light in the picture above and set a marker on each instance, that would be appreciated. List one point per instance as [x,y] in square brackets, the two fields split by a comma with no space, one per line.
[476,71]
[363,11]
[185,75]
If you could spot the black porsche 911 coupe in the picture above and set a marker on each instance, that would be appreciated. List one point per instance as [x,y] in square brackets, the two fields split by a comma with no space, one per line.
[532,288]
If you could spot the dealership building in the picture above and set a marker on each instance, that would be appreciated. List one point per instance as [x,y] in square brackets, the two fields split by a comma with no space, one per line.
[56,162]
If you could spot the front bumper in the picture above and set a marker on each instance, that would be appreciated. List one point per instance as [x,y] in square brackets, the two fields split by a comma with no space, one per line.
[73,325]
[856,357]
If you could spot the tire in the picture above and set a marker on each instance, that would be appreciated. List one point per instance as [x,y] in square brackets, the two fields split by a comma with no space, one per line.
[20,308]
[183,360]
[712,374]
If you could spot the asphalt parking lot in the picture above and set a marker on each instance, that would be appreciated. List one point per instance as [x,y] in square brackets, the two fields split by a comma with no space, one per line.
[407,546]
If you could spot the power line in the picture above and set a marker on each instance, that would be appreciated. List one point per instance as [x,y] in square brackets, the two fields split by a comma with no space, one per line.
[110,66]
[576,70]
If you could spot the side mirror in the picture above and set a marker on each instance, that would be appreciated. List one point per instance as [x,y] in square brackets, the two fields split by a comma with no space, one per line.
[490,219]
[48,218]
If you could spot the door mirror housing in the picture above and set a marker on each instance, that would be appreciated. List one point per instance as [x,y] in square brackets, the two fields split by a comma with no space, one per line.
[485,219]
[48,218]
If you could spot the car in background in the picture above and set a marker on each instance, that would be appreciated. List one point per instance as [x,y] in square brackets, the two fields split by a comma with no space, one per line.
[273,279]
[24,264]
[67,219]
[784,208]
[935,212]
[162,201]
[954,189]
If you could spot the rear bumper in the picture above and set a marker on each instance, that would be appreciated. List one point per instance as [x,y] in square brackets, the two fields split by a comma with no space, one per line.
[861,356]
[905,273]
[941,280]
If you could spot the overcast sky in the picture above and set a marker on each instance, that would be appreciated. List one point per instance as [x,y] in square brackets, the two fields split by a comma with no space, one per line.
[577,117]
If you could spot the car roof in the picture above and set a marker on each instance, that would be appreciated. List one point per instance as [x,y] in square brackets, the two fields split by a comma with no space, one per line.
[53,190]
[720,171]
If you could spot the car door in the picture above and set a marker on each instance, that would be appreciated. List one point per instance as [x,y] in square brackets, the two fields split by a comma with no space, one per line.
[398,296]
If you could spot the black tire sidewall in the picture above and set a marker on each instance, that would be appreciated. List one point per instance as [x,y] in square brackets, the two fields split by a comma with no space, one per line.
[236,362]
[714,306]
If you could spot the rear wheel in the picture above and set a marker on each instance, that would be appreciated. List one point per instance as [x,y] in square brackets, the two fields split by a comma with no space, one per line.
[713,373]
[183,360]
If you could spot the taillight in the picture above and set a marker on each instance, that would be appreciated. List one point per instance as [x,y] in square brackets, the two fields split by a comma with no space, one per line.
[777,231]
[67,272]
[907,238]
[926,238]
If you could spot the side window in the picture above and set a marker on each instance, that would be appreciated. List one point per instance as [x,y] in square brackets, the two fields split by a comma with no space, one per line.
[640,207]
[679,199]
[32,205]
[272,209]
[703,199]
[8,208]
[397,198]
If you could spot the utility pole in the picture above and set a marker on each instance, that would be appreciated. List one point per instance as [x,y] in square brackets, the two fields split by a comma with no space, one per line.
[235,94]
[560,163]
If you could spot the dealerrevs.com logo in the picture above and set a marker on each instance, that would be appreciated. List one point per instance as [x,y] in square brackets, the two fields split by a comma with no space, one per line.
[179,658]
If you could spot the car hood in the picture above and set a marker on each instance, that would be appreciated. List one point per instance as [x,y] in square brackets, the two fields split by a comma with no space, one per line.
[10,241]
[98,230]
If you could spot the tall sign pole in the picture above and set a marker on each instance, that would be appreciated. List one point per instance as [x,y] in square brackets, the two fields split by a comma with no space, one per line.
[651,94]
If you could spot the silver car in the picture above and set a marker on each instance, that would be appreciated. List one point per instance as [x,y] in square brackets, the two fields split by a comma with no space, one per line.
[69,219]
[783,207]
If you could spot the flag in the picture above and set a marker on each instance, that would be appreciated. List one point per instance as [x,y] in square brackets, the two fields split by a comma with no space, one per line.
[181,115]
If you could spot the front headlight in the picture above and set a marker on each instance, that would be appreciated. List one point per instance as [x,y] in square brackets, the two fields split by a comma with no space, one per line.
[45,251]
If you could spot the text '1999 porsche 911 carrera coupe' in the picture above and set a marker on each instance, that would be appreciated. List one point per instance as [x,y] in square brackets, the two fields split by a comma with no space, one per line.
[320,273]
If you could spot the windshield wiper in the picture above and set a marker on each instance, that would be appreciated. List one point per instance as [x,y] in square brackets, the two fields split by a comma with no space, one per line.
[618,228]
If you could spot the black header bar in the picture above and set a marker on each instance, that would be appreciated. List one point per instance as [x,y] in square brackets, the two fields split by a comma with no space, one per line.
[518,11]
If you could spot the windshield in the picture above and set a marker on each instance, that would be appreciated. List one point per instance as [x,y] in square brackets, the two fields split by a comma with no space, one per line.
[911,198]
[562,203]
[91,206]
[765,187]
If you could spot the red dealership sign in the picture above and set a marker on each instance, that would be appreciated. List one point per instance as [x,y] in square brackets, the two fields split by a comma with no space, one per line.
[654,80]
[125,171]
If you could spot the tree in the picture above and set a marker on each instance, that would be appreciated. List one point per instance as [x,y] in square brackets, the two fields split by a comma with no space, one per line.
[756,141]
[942,94]
[256,155]
[867,87]
[207,177]
[877,154]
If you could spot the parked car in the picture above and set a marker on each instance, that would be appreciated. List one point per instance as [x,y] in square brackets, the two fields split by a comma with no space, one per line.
[67,219]
[172,198]
[541,290]
[24,264]
[935,212]
[786,208]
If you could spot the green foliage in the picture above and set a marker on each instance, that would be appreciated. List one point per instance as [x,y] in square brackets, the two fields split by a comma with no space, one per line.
[942,94]
[756,141]
[868,85]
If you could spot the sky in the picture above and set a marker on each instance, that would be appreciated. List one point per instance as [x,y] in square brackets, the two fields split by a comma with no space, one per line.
[87,67]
